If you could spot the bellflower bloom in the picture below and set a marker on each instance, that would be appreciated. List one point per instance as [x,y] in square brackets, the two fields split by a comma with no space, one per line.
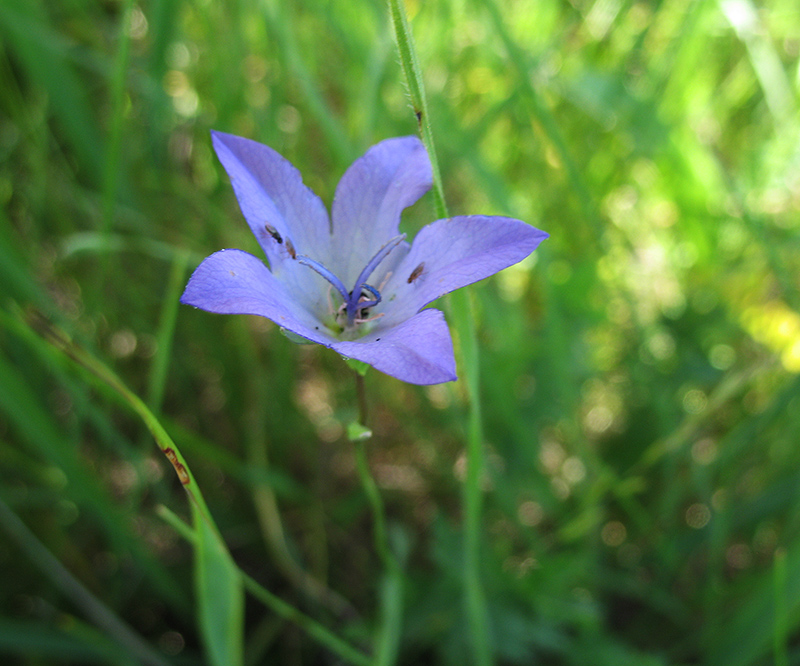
[352,282]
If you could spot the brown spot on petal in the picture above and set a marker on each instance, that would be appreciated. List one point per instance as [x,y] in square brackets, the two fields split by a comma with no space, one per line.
[416,272]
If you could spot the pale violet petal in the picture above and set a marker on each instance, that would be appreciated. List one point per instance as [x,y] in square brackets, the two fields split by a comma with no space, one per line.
[452,253]
[391,176]
[271,192]
[418,350]
[236,282]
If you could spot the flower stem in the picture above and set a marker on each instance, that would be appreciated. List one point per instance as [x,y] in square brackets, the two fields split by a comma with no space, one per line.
[392,586]
[477,612]
[464,325]
[416,91]
[361,396]
[376,506]
[313,628]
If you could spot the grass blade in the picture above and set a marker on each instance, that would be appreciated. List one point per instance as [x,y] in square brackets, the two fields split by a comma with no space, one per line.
[217,582]
[220,595]
[464,324]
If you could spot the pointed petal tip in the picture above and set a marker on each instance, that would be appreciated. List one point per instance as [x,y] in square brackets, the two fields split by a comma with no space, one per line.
[217,136]
[541,235]
[447,380]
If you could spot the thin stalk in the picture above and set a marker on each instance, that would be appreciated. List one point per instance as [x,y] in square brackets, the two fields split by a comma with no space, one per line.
[361,397]
[318,632]
[477,612]
[277,605]
[59,340]
[166,330]
[464,325]
[416,91]
[376,507]
[388,640]
[81,358]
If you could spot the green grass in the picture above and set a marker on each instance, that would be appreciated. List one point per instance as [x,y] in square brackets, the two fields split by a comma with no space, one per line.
[639,388]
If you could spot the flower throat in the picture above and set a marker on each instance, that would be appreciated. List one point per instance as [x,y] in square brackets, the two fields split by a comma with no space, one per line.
[363,296]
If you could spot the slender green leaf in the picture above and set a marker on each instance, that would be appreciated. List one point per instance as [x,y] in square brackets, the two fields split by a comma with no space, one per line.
[220,596]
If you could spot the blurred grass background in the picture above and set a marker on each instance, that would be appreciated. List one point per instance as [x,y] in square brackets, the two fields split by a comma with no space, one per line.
[639,373]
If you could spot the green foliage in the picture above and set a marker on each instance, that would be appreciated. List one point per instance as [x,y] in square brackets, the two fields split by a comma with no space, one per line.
[220,597]
[638,387]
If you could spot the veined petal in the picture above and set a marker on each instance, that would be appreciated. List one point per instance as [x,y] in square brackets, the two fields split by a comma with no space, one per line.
[236,282]
[391,176]
[418,350]
[271,192]
[449,254]
[313,265]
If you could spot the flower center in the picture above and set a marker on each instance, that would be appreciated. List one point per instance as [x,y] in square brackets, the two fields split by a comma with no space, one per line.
[362,296]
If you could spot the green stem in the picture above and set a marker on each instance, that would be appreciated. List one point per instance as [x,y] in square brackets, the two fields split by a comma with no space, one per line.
[416,91]
[53,336]
[375,505]
[277,605]
[361,397]
[166,330]
[388,640]
[313,628]
[464,325]
[477,612]
[58,339]
[392,586]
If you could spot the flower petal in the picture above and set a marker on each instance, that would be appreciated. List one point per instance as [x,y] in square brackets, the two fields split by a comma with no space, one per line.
[271,191]
[373,192]
[236,282]
[452,253]
[418,350]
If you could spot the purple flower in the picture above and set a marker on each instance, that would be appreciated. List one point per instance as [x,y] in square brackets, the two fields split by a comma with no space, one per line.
[352,282]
